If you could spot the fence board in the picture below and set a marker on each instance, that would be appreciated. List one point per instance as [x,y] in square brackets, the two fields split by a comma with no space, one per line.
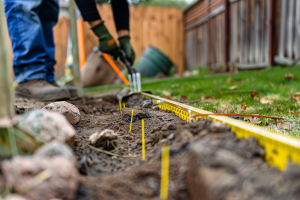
[148,26]
[60,32]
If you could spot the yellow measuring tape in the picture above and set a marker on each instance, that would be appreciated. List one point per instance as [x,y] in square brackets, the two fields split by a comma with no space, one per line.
[131,122]
[143,139]
[164,185]
[279,149]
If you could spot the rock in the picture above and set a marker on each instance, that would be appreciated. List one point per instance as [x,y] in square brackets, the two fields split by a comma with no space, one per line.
[133,145]
[185,135]
[103,138]
[168,126]
[146,104]
[292,172]
[53,149]
[41,178]
[82,165]
[217,127]
[196,183]
[155,129]
[171,136]
[14,197]
[155,107]
[47,126]
[70,111]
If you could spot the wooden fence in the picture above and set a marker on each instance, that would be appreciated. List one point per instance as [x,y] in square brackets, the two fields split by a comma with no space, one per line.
[157,26]
[245,33]
[287,51]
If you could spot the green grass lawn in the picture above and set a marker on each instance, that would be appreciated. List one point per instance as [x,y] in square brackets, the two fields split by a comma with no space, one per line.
[221,94]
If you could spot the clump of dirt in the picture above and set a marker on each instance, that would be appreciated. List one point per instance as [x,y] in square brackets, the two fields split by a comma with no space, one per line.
[207,161]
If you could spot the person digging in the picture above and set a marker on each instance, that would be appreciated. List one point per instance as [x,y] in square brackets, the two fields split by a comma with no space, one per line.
[30,25]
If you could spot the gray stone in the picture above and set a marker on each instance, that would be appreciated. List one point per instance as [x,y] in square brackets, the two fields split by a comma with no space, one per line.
[171,136]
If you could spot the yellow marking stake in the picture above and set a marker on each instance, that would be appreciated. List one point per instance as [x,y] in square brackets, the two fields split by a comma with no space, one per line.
[143,139]
[120,107]
[164,186]
[124,105]
[131,122]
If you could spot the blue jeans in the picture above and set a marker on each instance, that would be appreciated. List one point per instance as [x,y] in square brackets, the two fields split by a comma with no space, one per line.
[30,24]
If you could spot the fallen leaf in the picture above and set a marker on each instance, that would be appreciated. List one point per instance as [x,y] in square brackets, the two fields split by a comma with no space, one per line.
[285,125]
[293,112]
[265,101]
[297,93]
[244,106]
[281,85]
[248,118]
[296,98]
[207,99]
[253,94]
[229,79]
[278,109]
[233,87]
[272,85]
[216,98]
[220,91]
[289,76]
[184,97]
[256,120]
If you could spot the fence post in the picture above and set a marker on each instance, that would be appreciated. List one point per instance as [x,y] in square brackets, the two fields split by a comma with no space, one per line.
[75,51]
[6,86]
[227,33]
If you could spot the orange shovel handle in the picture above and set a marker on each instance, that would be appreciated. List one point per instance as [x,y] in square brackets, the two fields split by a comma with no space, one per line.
[115,68]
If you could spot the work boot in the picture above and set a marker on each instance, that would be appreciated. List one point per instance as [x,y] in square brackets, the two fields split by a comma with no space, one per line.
[73,91]
[42,90]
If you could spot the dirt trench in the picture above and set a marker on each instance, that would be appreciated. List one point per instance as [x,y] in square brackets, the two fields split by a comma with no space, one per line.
[207,161]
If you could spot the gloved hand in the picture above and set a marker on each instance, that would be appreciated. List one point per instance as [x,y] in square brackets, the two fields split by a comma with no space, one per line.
[127,48]
[107,43]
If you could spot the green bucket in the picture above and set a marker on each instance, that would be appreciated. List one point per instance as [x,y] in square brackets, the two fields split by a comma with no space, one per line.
[152,62]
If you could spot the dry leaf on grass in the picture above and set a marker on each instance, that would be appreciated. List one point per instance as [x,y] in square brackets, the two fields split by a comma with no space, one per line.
[220,91]
[207,99]
[281,85]
[278,109]
[296,98]
[244,106]
[254,120]
[265,100]
[233,87]
[285,126]
[289,76]
[293,112]
[254,93]
[229,79]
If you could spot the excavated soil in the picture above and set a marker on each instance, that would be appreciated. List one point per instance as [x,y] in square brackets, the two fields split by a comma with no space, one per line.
[207,161]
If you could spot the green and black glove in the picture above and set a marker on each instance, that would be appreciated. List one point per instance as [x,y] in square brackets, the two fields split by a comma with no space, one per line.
[107,43]
[127,48]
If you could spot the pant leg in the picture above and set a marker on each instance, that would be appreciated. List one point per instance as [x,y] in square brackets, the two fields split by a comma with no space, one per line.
[27,39]
[48,14]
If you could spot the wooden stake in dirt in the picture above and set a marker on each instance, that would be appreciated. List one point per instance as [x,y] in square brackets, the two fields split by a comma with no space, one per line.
[120,107]
[75,50]
[143,139]
[164,185]
[131,122]
[6,97]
